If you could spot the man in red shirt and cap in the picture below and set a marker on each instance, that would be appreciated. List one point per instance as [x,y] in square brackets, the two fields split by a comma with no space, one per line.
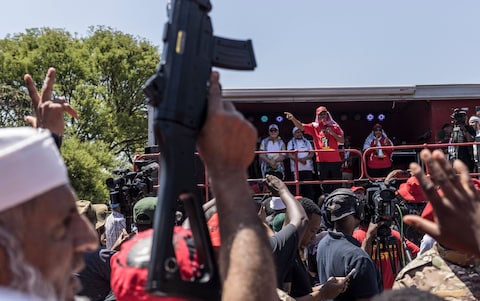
[327,134]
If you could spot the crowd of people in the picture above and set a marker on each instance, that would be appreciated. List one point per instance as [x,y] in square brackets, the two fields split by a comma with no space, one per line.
[56,247]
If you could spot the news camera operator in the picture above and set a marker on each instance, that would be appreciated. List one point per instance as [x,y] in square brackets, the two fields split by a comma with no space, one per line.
[462,132]
[387,247]
[125,191]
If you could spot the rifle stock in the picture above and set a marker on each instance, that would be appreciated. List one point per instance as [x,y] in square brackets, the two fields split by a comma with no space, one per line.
[178,91]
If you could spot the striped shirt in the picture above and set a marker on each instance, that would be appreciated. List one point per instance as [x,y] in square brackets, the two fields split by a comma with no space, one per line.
[114,225]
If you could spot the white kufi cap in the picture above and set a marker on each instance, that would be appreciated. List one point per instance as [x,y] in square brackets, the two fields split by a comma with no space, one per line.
[276,203]
[474,119]
[30,165]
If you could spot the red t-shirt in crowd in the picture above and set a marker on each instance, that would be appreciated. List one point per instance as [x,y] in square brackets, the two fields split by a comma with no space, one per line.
[385,267]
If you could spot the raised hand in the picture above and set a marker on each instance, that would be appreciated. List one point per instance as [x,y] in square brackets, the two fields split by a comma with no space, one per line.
[274,184]
[289,115]
[227,141]
[48,112]
[456,206]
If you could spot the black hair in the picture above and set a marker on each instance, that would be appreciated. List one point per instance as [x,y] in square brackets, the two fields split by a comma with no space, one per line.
[310,207]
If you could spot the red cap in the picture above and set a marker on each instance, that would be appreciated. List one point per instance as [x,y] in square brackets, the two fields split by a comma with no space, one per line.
[356,188]
[411,191]
[321,109]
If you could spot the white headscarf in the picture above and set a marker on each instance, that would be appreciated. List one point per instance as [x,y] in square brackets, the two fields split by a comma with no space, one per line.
[330,120]
[371,136]
[30,165]
[474,119]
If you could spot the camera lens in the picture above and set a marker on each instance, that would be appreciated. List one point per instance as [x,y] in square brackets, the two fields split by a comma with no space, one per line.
[384,231]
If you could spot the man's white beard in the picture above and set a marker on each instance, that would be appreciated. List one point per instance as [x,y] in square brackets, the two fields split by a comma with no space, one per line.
[25,277]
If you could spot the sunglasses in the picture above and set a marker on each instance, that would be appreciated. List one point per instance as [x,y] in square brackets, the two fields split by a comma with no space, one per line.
[377,130]
[273,130]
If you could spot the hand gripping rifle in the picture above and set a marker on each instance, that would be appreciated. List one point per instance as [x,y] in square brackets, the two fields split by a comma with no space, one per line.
[178,91]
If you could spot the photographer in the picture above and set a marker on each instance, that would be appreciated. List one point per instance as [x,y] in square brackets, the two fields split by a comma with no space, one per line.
[386,246]
[462,132]
[125,191]
[383,249]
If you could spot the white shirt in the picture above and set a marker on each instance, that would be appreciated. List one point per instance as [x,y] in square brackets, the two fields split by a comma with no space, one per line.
[114,225]
[300,145]
[476,148]
[268,145]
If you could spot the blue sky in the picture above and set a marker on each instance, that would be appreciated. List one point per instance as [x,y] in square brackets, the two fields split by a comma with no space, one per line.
[303,43]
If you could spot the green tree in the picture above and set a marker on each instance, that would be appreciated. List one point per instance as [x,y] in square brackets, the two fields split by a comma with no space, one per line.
[101,75]
[14,105]
[121,64]
[87,163]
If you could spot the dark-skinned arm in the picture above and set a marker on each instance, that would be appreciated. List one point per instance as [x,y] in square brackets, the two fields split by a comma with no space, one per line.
[295,214]
[294,120]
[456,207]
[227,161]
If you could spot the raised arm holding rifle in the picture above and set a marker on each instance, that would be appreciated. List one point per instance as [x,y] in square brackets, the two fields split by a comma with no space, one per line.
[183,119]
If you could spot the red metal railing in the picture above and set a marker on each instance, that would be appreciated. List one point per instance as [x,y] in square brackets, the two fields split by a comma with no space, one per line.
[361,167]
[297,183]
[417,148]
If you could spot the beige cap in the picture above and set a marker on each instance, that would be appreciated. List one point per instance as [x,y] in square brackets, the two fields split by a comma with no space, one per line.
[101,212]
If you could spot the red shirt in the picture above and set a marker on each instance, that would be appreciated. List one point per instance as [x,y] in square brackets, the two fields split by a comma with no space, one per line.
[324,141]
[375,162]
[385,267]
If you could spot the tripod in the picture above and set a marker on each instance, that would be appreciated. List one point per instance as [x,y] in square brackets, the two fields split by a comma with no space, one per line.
[390,254]
[386,248]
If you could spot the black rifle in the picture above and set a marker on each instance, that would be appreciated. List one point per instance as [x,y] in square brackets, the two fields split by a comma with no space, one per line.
[178,91]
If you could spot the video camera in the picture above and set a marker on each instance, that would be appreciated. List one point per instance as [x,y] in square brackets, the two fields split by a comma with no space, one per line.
[129,187]
[459,116]
[382,205]
[131,184]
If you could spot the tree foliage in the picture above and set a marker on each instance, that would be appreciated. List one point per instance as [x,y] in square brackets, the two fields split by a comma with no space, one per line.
[88,165]
[14,105]
[101,75]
